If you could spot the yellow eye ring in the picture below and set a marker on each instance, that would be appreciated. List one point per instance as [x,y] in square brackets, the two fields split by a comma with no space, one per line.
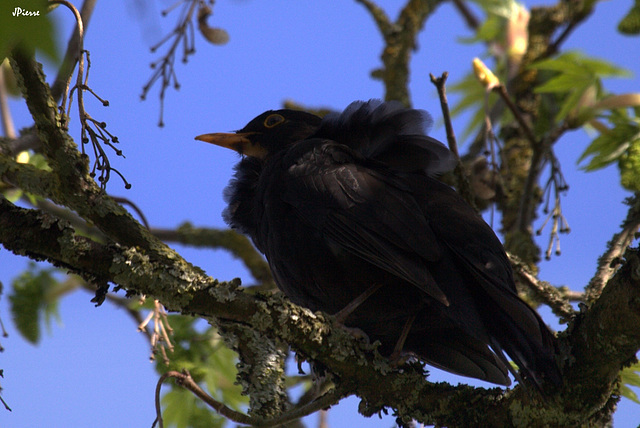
[273,120]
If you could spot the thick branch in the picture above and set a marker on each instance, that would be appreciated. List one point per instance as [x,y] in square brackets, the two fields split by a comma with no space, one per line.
[603,340]
[185,289]
[79,191]
[237,244]
[357,368]
[60,150]
[400,39]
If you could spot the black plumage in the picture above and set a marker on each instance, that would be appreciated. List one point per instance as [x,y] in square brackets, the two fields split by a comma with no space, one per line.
[344,203]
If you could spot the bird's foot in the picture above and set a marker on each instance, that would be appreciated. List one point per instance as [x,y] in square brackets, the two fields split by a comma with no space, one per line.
[342,316]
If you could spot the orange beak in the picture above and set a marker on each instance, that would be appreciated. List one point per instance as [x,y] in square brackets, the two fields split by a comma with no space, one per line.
[238,142]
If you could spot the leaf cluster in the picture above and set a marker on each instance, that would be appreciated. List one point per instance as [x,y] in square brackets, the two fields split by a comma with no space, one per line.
[200,350]
[34,301]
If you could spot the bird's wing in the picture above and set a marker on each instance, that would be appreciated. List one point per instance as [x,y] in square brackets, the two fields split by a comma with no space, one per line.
[482,256]
[513,325]
[365,212]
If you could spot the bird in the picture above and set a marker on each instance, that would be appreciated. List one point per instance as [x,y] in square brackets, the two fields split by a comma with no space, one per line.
[353,221]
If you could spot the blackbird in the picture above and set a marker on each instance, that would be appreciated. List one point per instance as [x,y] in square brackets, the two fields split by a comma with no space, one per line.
[353,222]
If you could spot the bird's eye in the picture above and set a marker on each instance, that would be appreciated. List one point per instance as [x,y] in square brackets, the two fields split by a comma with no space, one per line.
[272,120]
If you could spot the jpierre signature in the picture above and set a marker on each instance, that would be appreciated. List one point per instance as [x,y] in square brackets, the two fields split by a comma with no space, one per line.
[18,11]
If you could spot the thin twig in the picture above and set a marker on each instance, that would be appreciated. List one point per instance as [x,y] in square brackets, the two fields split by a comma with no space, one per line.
[164,67]
[185,380]
[558,299]
[125,201]
[4,403]
[469,17]
[122,303]
[609,261]
[555,46]
[439,83]
[526,129]
[79,224]
[61,83]
[5,111]
[27,141]
[556,184]
[239,246]
[462,182]
[79,57]
[97,134]
[159,337]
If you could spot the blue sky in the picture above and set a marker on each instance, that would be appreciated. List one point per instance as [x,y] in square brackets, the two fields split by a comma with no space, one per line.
[92,369]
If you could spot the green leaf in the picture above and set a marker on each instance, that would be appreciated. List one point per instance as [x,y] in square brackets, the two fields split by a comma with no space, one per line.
[621,144]
[473,96]
[575,63]
[182,409]
[606,150]
[490,30]
[201,350]
[222,377]
[565,83]
[26,23]
[571,77]
[630,376]
[630,24]
[29,301]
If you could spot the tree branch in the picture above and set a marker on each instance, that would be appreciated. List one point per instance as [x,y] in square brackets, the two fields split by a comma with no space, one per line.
[400,39]
[609,262]
[358,368]
[556,298]
[79,193]
[462,183]
[238,245]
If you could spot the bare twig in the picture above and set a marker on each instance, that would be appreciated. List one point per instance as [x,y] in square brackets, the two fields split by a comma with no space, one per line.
[4,403]
[120,302]
[557,298]
[182,35]
[439,83]
[469,17]
[79,224]
[5,112]
[62,82]
[462,182]
[559,224]
[608,263]
[27,141]
[578,16]
[524,126]
[322,419]
[79,57]
[125,201]
[160,340]
[91,129]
